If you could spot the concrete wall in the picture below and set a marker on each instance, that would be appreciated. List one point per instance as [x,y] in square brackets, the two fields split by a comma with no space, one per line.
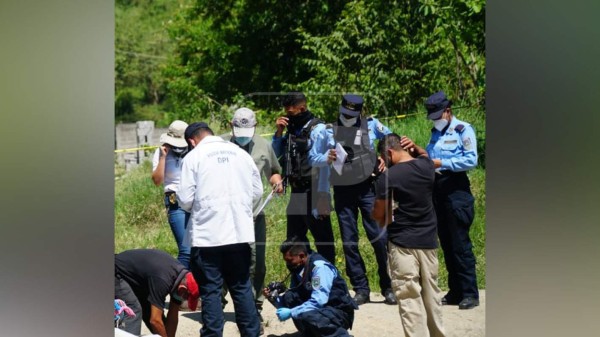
[130,136]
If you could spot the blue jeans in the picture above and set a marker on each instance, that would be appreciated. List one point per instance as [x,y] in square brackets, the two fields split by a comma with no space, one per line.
[178,219]
[230,264]
[348,201]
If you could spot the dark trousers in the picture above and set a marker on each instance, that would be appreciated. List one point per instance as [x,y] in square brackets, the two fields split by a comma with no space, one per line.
[323,322]
[230,264]
[458,252]
[348,201]
[300,220]
[123,292]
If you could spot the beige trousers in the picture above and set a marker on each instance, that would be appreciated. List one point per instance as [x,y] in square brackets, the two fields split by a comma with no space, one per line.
[414,274]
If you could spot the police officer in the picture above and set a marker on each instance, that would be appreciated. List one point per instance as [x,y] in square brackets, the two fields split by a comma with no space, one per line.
[309,204]
[354,190]
[453,149]
[318,300]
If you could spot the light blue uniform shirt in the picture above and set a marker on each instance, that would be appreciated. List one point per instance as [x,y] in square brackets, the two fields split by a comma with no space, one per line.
[315,142]
[456,150]
[319,159]
[321,280]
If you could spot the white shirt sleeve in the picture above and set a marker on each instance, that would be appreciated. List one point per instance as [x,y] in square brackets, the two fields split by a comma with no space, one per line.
[187,184]
[155,159]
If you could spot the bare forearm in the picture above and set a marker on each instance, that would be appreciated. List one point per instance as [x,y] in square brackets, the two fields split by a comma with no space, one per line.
[158,175]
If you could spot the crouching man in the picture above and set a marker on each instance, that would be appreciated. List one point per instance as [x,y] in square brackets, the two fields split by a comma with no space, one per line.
[318,300]
[143,280]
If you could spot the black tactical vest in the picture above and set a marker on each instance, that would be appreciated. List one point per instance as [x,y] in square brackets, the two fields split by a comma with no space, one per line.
[302,174]
[361,160]
[339,297]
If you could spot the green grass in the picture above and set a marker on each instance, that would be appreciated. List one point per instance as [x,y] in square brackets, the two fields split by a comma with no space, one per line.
[141,222]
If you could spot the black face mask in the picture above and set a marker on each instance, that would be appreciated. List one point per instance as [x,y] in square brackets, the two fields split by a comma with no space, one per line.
[297,122]
[294,269]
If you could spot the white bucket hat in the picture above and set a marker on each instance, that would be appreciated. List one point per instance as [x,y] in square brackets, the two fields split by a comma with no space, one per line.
[174,136]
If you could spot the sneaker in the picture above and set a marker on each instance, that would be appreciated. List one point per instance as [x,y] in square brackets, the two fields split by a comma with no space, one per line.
[361,298]
[389,297]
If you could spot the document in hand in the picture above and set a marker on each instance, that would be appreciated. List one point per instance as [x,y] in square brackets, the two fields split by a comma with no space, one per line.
[341,155]
[269,197]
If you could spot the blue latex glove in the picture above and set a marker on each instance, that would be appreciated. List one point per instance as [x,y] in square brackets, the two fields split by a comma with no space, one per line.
[284,313]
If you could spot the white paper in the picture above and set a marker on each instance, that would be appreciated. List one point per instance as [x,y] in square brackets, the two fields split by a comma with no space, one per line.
[341,155]
[269,197]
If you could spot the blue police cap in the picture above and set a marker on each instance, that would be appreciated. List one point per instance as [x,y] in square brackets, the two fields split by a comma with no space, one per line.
[351,105]
[189,131]
[436,104]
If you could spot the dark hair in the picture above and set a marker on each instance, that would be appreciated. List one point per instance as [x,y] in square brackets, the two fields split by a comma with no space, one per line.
[202,130]
[389,141]
[294,246]
[293,98]
[192,129]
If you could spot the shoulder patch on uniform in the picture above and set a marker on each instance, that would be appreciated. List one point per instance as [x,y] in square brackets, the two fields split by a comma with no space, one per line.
[459,127]
[379,127]
[316,282]
[467,143]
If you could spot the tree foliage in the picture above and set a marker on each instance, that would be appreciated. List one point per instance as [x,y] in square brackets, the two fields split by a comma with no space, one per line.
[142,48]
[396,53]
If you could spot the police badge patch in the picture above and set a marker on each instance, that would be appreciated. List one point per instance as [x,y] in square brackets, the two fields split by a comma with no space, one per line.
[316,282]
[379,127]
[467,143]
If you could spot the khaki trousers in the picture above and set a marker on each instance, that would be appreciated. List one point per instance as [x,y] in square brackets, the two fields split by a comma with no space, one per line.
[414,274]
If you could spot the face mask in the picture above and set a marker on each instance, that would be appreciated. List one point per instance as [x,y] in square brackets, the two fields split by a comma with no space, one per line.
[294,269]
[179,151]
[243,141]
[440,124]
[348,122]
[298,121]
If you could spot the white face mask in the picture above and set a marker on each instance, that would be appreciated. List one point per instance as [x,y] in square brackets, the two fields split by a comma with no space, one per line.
[440,124]
[348,122]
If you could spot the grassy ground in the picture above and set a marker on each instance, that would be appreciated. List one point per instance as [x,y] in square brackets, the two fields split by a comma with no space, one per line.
[140,217]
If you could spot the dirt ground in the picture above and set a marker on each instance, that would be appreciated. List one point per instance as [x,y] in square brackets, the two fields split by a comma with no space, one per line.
[372,319]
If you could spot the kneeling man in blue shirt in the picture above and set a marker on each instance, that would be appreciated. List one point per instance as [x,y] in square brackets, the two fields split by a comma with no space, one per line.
[318,300]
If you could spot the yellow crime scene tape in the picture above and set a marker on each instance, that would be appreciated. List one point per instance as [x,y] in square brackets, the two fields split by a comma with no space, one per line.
[153,147]
[262,135]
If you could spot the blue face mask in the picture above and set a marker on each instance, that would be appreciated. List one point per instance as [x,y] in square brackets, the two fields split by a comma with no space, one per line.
[243,141]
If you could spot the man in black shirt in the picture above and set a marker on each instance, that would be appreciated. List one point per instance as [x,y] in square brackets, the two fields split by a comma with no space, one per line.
[143,279]
[404,203]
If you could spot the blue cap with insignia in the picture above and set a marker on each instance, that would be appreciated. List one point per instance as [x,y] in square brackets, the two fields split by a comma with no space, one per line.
[436,104]
[351,105]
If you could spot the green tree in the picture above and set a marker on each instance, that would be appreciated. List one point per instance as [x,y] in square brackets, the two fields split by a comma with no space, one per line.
[399,52]
[142,47]
[227,48]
